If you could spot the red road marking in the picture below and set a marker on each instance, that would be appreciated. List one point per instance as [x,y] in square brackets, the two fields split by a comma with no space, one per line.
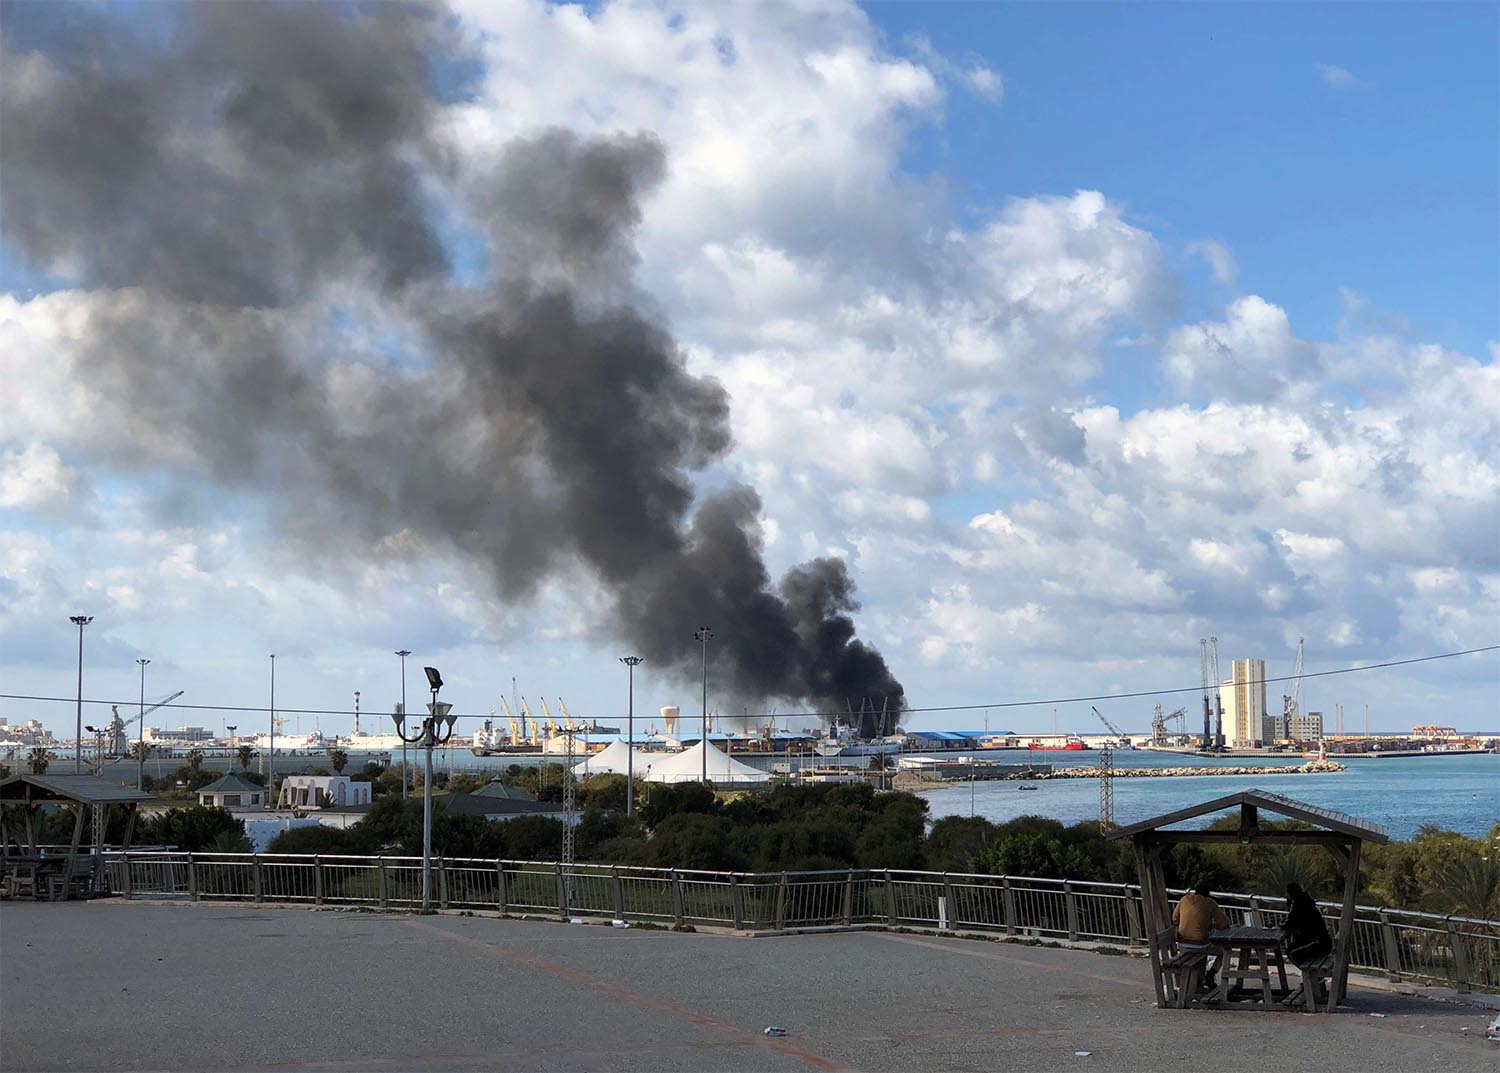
[634,998]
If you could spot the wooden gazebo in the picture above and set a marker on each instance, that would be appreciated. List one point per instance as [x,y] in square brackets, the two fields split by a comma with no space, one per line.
[21,798]
[1341,834]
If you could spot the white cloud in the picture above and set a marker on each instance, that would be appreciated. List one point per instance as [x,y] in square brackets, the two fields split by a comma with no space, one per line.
[1218,258]
[1339,78]
[36,478]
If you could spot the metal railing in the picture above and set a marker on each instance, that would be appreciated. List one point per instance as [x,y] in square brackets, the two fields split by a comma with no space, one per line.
[1397,943]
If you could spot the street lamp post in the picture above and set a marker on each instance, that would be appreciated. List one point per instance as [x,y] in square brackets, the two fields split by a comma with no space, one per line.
[428,737]
[140,742]
[403,653]
[631,662]
[703,635]
[271,760]
[80,621]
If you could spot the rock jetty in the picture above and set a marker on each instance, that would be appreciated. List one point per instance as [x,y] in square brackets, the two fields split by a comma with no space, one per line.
[1312,767]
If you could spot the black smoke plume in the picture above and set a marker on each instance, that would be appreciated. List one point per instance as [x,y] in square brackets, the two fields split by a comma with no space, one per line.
[282,241]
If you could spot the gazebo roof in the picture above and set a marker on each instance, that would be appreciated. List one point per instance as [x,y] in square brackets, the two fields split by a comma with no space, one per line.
[230,783]
[1325,818]
[80,789]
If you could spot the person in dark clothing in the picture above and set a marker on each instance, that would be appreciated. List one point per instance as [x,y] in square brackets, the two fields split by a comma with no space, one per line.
[1305,935]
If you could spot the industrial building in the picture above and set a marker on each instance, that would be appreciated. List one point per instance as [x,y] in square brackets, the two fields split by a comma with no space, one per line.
[1244,699]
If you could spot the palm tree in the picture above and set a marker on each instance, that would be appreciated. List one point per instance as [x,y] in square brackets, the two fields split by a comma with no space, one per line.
[338,758]
[1471,886]
[38,759]
[195,761]
[140,750]
[245,754]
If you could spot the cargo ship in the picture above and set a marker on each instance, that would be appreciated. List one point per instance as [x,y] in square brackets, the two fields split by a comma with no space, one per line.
[1073,744]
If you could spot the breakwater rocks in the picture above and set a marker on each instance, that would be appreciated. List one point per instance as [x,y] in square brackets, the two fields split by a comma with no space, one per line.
[1312,767]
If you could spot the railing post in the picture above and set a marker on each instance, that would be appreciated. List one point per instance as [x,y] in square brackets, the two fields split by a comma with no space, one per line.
[890,900]
[1070,903]
[677,909]
[781,892]
[1132,922]
[502,893]
[1460,959]
[317,880]
[125,865]
[562,894]
[1392,950]
[192,878]
[947,916]
[442,864]
[619,885]
[849,899]
[1008,898]
[384,890]
[737,901]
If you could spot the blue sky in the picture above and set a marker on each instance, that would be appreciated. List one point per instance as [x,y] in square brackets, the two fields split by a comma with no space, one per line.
[1216,121]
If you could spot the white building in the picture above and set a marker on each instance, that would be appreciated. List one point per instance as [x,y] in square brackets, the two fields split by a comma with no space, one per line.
[234,793]
[322,791]
[1307,727]
[182,736]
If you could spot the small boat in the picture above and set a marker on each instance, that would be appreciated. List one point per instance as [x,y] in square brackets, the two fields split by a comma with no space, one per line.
[1026,786]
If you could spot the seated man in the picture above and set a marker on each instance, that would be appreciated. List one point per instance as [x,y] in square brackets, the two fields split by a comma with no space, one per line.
[1305,935]
[1195,917]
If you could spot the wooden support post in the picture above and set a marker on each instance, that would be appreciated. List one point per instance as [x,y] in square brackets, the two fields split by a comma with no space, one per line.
[849,898]
[1008,904]
[73,853]
[1151,921]
[1070,906]
[384,889]
[1256,920]
[1392,948]
[1460,959]
[1132,921]
[502,894]
[1340,981]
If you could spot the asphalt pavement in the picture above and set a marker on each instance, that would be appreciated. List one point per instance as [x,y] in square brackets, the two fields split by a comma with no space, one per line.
[164,986]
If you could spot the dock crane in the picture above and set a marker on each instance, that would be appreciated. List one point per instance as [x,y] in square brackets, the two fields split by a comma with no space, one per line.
[1124,738]
[1206,742]
[119,727]
[1159,724]
[1291,705]
[1213,644]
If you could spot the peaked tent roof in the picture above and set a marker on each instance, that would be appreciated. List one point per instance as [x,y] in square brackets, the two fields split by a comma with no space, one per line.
[231,784]
[85,789]
[687,766]
[1325,818]
[611,761]
[497,788]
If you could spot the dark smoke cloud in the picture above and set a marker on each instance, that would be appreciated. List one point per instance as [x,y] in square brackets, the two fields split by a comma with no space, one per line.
[258,180]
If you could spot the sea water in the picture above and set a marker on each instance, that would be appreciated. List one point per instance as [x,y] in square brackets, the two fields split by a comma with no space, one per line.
[1459,793]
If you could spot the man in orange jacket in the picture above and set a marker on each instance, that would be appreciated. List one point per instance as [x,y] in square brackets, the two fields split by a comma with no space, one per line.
[1196,917]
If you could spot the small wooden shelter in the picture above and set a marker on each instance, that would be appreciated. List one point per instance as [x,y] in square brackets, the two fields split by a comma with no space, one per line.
[1341,834]
[22,797]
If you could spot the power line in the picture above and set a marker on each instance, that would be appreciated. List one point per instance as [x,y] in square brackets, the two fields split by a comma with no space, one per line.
[830,714]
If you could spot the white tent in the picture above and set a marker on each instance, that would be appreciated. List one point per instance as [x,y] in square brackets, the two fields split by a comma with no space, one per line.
[687,766]
[611,760]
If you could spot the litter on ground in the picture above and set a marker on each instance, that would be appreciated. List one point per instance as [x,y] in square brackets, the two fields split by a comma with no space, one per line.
[775,1030]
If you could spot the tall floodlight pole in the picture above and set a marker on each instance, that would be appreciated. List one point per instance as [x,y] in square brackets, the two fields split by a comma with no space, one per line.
[140,743]
[703,635]
[403,653]
[80,621]
[271,763]
[631,662]
[427,738]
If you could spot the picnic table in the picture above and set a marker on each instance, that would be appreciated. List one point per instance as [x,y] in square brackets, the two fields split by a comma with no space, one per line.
[1258,950]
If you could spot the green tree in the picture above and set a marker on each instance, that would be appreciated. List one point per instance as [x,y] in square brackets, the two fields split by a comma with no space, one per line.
[195,761]
[338,758]
[321,839]
[38,759]
[245,754]
[194,828]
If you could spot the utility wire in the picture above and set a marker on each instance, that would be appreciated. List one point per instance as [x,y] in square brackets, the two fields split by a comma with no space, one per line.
[827,714]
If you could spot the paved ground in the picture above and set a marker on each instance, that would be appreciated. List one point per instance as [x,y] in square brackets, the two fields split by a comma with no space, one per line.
[136,986]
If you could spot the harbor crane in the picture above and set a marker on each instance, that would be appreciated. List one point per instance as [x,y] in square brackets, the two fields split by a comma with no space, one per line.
[1213,644]
[1123,741]
[1207,740]
[119,727]
[1159,724]
[1291,704]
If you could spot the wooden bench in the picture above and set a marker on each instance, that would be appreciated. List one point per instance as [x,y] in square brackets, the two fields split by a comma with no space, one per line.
[1182,970]
[1312,972]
